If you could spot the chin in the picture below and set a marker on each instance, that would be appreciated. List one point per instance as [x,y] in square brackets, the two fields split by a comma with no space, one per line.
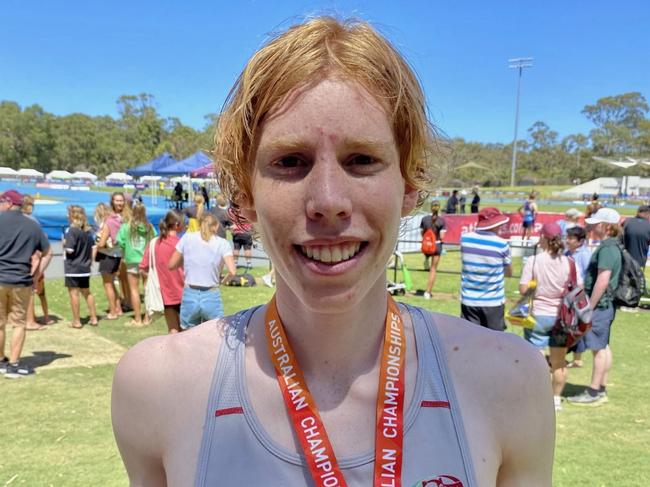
[335,298]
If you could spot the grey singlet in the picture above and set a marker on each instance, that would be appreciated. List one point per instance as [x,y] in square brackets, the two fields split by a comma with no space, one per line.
[237,451]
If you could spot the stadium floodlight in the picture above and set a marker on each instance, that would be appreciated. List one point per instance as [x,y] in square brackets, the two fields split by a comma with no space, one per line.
[517,63]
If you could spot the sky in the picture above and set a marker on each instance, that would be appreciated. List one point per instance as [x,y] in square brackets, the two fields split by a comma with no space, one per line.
[81,56]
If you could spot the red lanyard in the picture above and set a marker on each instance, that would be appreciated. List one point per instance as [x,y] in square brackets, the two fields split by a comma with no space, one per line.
[305,417]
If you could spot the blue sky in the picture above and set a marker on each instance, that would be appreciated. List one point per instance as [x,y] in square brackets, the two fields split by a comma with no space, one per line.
[80,56]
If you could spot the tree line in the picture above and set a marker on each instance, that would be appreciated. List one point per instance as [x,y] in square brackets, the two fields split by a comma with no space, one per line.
[32,137]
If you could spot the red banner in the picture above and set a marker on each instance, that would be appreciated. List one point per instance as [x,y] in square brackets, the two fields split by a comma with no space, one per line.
[456,225]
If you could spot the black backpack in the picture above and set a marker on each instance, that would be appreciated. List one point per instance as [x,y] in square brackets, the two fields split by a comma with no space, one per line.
[631,283]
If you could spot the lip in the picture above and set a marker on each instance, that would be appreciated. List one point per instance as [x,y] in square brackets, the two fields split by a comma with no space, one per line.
[325,269]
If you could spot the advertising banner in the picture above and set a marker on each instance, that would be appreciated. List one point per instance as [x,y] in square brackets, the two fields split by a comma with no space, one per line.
[456,225]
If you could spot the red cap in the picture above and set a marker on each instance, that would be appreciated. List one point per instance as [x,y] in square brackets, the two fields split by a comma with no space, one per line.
[489,218]
[13,197]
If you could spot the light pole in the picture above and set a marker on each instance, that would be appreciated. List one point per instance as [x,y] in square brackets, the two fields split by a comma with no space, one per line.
[518,63]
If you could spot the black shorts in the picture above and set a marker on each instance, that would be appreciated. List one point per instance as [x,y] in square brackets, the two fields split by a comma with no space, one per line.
[240,240]
[528,224]
[82,282]
[175,307]
[108,264]
[438,250]
[491,317]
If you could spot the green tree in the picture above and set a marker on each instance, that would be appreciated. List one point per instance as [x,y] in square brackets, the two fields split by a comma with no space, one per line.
[10,113]
[144,128]
[617,119]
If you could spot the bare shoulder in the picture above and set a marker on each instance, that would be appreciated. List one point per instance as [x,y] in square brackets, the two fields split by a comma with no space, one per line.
[484,352]
[160,392]
[503,388]
[164,360]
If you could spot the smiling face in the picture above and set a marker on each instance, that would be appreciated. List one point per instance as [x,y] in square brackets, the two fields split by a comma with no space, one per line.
[328,193]
[117,202]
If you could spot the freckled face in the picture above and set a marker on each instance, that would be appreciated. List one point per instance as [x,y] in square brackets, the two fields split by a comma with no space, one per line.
[328,193]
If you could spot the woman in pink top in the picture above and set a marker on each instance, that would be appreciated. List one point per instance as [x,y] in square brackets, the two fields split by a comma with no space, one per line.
[171,281]
[551,270]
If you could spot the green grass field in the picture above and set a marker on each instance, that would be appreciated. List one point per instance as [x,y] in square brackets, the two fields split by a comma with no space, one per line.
[56,428]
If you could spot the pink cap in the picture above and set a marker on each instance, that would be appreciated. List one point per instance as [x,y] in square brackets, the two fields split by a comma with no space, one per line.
[550,230]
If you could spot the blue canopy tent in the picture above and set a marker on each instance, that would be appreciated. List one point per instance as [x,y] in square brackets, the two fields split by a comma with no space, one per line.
[186,166]
[152,168]
[195,161]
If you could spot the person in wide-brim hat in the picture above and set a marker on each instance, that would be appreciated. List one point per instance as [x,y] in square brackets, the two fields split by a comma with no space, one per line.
[491,218]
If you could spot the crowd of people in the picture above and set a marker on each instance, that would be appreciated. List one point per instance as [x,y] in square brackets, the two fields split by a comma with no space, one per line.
[188,260]
[486,262]
[457,202]
[126,247]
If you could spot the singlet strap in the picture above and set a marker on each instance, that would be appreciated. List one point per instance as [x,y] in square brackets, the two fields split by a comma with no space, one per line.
[441,360]
[225,373]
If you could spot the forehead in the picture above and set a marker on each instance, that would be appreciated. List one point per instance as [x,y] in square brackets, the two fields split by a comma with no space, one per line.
[334,109]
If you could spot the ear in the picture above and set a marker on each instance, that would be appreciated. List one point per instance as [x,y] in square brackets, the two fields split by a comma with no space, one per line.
[247,209]
[410,200]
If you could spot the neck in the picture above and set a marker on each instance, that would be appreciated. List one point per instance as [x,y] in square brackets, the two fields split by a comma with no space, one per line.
[340,343]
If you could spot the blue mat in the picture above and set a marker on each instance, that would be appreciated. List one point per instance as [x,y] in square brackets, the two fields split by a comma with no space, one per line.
[54,217]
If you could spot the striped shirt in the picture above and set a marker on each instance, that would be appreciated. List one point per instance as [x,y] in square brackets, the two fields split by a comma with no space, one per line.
[484,256]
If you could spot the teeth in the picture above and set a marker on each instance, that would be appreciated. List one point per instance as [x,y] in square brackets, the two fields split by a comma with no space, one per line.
[331,253]
[336,254]
[325,254]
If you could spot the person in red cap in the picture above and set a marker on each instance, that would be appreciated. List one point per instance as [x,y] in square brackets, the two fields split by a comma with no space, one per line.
[17,247]
[486,261]
[549,270]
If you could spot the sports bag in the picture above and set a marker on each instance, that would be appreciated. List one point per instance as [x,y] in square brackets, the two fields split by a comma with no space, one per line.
[521,314]
[153,301]
[574,317]
[631,283]
[428,246]
[243,280]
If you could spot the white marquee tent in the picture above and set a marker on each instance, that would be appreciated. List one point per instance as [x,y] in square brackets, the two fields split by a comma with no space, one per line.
[7,171]
[118,176]
[57,174]
[29,173]
[84,175]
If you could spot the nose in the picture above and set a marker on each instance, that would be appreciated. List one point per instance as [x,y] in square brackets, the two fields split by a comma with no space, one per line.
[329,197]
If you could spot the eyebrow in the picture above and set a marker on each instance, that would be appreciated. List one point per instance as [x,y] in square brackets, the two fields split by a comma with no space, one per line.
[294,143]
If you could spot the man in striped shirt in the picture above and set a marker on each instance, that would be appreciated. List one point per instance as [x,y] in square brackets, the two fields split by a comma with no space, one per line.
[486,262]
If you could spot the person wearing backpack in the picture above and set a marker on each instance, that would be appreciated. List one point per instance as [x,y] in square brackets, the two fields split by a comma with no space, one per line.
[636,239]
[433,231]
[578,250]
[550,270]
[601,281]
